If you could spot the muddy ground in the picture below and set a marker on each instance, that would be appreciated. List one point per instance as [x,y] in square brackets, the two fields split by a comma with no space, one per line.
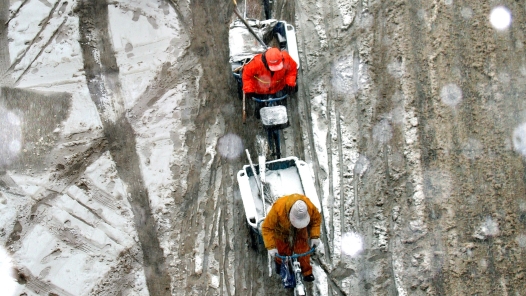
[410,113]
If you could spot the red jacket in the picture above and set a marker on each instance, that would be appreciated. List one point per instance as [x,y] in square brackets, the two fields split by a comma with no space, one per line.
[258,79]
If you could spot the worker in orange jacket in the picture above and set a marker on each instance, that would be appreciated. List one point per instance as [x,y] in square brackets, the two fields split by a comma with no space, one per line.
[289,224]
[268,73]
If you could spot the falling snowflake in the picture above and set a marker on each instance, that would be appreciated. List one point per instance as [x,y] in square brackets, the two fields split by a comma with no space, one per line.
[466,12]
[500,17]
[230,146]
[451,94]
[382,131]
[519,139]
[352,244]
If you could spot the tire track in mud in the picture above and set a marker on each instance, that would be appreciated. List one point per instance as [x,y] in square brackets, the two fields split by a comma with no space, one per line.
[211,230]
[10,17]
[102,77]
[35,39]
[325,63]
[487,87]
[420,181]
[41,50]
[463,156]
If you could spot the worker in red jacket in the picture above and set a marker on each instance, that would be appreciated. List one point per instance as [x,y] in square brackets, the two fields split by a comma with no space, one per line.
[269,73]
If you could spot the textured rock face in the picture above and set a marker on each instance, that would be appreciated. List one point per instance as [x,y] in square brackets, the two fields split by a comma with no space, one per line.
[118,173]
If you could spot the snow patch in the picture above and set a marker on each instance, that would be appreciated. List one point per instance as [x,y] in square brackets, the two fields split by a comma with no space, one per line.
[348,12]
[7,282]
[519,139]
[343,78]
[144,38]
[321,285]
[488,228]
[11,136]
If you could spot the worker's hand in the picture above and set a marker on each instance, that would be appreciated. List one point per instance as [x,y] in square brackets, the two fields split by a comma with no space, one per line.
[315,242]
[273,252]
[290,90]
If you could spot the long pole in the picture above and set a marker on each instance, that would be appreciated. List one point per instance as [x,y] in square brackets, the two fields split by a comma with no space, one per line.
[247,25]
[258,181]
[244,109]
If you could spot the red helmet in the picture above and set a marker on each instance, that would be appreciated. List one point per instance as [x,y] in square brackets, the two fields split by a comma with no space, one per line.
[274,59]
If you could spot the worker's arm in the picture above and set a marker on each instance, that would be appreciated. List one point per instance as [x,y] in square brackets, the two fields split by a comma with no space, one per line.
[249,83]
[292,70]
[268,227]
[315,221]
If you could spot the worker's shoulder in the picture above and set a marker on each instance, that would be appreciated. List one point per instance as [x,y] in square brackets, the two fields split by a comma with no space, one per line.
[256,59]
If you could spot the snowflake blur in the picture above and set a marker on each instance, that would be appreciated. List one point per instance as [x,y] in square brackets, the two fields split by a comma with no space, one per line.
[383,131]
[352,244]
[472,148]
[7,282]
[500,17]
[451,94]
[466,13]
[11,136]
[521,240]
[519,139]
[230,146]
[488,228]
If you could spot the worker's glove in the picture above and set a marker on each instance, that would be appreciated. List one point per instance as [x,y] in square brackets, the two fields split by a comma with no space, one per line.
[273,252]
[290,90]
[315,242]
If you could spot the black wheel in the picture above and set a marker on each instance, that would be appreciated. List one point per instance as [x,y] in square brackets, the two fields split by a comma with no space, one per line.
[267,5]
[253,237]
[277,143]
[271,143]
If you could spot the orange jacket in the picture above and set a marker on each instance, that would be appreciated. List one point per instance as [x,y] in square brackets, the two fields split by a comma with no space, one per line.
[258,79]
[277,225]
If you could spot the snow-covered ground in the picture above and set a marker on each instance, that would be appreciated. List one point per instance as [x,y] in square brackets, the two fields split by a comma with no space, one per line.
[81,232]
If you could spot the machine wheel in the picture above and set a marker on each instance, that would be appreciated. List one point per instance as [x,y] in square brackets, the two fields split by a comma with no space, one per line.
[276,143]
[253,237]
[267,5]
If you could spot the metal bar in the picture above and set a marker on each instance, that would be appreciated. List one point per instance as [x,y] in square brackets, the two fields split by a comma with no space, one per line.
[247,25]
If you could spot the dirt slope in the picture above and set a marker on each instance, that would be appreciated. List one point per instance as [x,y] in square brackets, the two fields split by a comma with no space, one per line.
[440,199]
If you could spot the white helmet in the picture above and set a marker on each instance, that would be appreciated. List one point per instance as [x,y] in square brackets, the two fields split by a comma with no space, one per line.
[299,216]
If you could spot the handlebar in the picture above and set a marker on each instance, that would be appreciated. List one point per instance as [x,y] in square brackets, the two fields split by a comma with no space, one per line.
[270,100]
[295,256]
